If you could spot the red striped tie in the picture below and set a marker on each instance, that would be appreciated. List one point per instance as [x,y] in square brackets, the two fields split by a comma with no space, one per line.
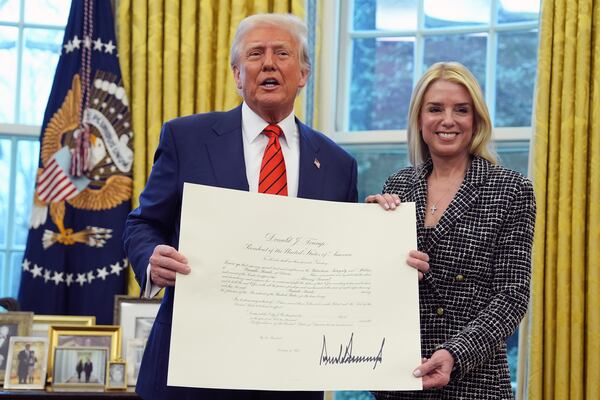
[273,179]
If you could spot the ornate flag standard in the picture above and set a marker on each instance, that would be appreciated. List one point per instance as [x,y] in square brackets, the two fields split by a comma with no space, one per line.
[74,263]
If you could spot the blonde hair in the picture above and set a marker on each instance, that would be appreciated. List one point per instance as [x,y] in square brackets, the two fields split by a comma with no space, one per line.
[481,142]
[293,24]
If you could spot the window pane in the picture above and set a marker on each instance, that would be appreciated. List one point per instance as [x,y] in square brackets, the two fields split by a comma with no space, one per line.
[9,10]
[26,166]
[381,83]
[15,274]
[353,395]
[512,348]
[515,77]
[3,277]
[444,13]
[518,10]
[375,164]
[385,15]
[514,155]
[40,56]
[47,12]
[469,50]
[8,73]
[5,156]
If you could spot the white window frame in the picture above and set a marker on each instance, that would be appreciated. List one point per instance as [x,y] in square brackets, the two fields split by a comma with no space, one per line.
[336,48]
[16,132]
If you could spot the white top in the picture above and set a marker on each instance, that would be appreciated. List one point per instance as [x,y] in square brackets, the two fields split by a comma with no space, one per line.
[254,148]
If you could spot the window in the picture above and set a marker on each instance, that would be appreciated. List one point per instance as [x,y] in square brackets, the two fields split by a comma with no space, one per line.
[376,53]
[31,33]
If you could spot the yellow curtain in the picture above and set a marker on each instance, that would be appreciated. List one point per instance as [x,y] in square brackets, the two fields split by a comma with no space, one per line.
[175,61]
[565,332]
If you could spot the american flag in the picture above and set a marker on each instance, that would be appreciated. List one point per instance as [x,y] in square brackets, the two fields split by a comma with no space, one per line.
[55,184]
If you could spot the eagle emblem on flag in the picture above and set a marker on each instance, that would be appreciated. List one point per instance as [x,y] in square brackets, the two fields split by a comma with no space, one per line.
[107,181]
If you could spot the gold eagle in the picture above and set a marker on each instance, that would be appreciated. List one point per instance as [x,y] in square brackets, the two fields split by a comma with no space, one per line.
[96,196]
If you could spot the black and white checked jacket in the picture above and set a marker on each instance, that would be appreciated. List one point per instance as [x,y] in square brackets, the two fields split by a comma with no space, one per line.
[477,289]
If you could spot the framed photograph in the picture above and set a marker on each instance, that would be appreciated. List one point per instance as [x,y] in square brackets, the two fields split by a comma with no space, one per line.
[12,324]
[41,323]
[117,375]
[135,351]
[79,368]
[106,336]
[135,316]
[27,361]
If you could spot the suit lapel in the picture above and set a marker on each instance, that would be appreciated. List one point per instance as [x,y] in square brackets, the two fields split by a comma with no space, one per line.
[463,201]
[312,171]
[226,151]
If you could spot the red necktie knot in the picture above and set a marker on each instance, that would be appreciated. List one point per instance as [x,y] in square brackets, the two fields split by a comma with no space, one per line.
[273,131]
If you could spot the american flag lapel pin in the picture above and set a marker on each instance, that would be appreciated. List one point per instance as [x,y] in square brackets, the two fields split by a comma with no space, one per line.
[317,163]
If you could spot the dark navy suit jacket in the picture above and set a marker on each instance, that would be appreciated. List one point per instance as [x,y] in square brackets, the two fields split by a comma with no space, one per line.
[208,149]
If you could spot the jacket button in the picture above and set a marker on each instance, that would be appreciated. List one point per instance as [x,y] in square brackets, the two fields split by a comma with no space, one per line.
[459,278]
[439,311]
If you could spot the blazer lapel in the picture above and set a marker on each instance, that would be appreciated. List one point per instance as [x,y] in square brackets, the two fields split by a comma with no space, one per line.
[226,151]
[465,197]
[312,171]
[418,192]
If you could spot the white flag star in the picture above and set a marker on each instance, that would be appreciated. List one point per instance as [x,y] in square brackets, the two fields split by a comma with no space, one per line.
[26,264]
[87,42]
[115,269]
[36,271]
[109,47]
[46,275]
[69,279]
[68,47]
[98,44]
[102,273]
[90,276]
[81,279]
[76,42]
[58,277]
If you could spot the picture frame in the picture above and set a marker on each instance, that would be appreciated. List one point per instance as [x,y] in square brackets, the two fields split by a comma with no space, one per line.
[135,316]
[12,324]
[27,363]
[116,378]
[135,351]
[79,368]
[97,336]
[41,323]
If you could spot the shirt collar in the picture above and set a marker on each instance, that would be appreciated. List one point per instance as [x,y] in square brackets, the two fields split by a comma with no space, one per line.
[253,125]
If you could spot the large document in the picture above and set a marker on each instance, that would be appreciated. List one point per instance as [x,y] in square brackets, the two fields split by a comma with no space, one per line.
[294,294]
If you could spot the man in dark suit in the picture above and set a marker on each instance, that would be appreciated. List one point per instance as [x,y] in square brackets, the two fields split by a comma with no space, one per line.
[259,147]
[23,366]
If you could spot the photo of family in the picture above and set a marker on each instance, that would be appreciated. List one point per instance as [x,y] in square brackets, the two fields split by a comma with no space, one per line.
[27,360]
[12,324]
[80,367]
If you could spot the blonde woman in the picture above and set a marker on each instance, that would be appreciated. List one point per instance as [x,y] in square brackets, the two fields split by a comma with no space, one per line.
[475,222]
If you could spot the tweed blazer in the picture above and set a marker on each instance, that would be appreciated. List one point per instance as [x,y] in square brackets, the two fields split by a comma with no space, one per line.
[477,289]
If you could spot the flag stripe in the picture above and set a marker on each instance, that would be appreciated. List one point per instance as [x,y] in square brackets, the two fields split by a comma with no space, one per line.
[47,175]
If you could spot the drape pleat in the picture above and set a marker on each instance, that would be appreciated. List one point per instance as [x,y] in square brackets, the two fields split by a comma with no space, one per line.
[175,61]
[564,359]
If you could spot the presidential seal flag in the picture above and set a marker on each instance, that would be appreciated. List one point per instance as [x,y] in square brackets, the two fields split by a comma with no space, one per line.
[74,263]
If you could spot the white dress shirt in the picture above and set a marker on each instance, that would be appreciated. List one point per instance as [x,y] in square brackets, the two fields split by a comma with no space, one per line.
[254,147]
